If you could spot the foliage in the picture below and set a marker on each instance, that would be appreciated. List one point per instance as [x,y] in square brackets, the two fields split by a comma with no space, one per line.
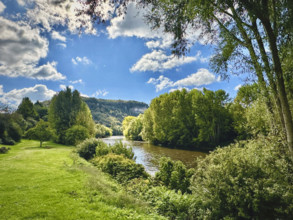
[4,150]
[118,148]
[66,110]
[41,132]
[169,203]
[101,131]
[132,127]
[112,112]
[87,148]
[76,134]
[188,119]
[10,128]
[120,167]
[41,110]
[174,175]
[26,109]
[251,180]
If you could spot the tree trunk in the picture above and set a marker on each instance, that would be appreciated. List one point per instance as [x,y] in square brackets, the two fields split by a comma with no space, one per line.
[41,143]
[280,83]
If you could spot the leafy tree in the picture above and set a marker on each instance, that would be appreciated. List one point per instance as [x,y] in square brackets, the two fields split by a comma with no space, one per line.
[26,109]
[76,134]
[132,127]
[41,132]
[102,131]
[10,128]
[41,110]
[66,110]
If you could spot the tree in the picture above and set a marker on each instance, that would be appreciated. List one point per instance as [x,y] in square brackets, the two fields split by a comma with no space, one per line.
[26,109]
[41,132]
[66,110]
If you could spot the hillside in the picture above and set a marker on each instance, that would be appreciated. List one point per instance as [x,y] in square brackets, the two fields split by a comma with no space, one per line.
[112,112]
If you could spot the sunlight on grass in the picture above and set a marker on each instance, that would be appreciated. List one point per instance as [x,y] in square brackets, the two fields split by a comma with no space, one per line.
[52,183]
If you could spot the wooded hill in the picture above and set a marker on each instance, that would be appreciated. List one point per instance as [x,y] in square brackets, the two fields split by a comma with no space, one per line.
[112,112]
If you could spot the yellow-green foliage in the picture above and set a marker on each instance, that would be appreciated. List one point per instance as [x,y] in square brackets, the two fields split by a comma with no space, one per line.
[120,167]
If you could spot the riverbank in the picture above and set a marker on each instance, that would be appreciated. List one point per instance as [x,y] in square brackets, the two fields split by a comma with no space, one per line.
[53,183]
[149,155]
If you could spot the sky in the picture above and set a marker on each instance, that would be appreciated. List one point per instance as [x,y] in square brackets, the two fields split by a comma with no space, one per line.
[43,50]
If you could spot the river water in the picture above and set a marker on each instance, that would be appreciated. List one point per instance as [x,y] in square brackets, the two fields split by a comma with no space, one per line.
[149,155]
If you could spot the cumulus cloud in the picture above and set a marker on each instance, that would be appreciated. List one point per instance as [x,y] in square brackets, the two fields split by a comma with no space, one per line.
[161,83]
[157,60]
[2,7]
[82,60]
[38,92]
[62,45]
[49,13]
[57,36]
[1,90]
[100,92]
[21,48]
[200,78]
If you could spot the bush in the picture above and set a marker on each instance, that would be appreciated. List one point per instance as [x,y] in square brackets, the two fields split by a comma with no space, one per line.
[76,134]
[118,148]
[248,180]
[174,175]
[4,150]
[120,167]
[87,149]
[166,202]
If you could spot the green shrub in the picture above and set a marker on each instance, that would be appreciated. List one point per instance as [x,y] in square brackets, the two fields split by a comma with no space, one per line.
[120,167]
[174,175]
[87,149]
[102,131]
[248,180]
[165,201]
[121,149]
[76,134]
[4,150]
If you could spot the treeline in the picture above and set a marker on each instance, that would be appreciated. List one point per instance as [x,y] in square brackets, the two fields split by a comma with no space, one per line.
[65,119]
[203,119]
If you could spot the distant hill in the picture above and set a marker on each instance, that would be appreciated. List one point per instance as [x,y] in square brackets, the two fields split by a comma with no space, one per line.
[112,112]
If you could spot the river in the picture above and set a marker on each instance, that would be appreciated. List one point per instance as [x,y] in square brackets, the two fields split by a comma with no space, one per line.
[149,155]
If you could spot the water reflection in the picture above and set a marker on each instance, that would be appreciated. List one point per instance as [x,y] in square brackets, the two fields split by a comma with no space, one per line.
[149,155]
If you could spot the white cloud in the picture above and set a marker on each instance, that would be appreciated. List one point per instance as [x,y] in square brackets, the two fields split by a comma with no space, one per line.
[200,78]
[49,13]
[38,92]
[99,92]
[2,7]
[57,36]
[82,60]
[77,81]
[1,90]
[62,45]
[63,87]
[21,48]
[161,83]
[157,60]
[237,87]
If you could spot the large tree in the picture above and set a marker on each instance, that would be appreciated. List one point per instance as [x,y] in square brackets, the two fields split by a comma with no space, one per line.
[66,110]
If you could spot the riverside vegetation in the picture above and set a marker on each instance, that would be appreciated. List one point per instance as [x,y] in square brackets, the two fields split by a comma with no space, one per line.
[248,179]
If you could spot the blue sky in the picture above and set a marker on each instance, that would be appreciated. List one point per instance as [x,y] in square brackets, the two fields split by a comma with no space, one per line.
[42,52]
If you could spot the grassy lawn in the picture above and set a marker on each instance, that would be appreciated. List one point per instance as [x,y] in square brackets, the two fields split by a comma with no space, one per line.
[53,183]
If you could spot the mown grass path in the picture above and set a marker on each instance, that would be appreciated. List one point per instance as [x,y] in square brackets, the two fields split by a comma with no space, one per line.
[48,183]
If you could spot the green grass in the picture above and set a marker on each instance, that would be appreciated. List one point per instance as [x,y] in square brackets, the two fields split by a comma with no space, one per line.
[53,183]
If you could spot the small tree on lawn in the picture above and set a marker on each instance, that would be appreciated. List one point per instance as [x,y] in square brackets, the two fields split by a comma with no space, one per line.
[41,132]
